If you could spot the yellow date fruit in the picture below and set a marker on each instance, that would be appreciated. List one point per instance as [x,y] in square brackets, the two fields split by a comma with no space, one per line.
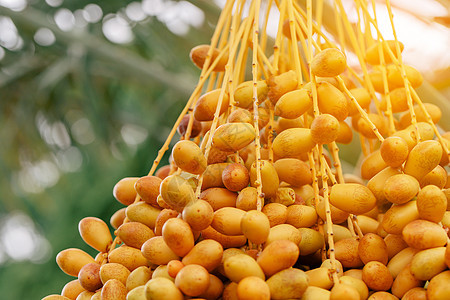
[401,188]
[89,277]
[346,252]
[247,199]
[72,289]
[372,55]
[320,277]
[431,203]
[438,287]
[293,171]
[401,260]
[417,293]
[398,216]
[280,85]
[239,266]
[357,283]
[293,142]
[288,284]
[422,234]
[233,136]
[130,257]
[207,253]
[206,105]
[188,156]
[177,192]
[219,198]
[114,271]
[423,158]
[293,104]
[117,218]
[377,276]
[394,151]
[235,177]
[198,56]
[253,287]
[227,241]
[255,226]
[269,178]
[95,233]
[134,234]
[277,256]
[178,236]
[428,263]
[156,251]
[162,288]
[352,198]
[343,291]
[198,215]
[324,129]
[124,191]
[243,95]
[192,280]
[404,282]
[372,247]
[227,220]
[72,260]
[147,188]
[331,101]
[329,63]
[138,277]
[284,232]
[143,212]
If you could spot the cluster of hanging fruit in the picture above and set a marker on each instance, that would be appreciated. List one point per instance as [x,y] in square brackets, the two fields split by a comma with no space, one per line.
[255,203]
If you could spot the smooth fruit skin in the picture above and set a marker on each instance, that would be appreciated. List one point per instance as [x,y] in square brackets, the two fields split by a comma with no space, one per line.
[280,85]
[124,191]
[352,198]
[394,151]
[277,256]
[207,253]
[438,287]
[255,226]
[372,55]
[329,63]
[206,105]
[294,104]
[162,288]
[332,101]
[148,188]
[177,192]
[55,297]
[95,233]
[192,280]
[428,263]
[422,234]
[324,129]
[178,236]
[423,158]
[252,288]
[72,260]
[377,276]
[431,203]
[293,142]
[235,177]
[189,157]
[233,136]
[198,57]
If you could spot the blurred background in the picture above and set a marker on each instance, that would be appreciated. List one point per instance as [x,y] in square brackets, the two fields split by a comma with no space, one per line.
[88,93]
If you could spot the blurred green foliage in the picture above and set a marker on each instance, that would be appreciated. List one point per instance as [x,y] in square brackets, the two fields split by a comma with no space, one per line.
[143,84]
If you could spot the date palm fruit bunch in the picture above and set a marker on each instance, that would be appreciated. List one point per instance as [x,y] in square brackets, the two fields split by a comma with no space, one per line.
[254,202]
